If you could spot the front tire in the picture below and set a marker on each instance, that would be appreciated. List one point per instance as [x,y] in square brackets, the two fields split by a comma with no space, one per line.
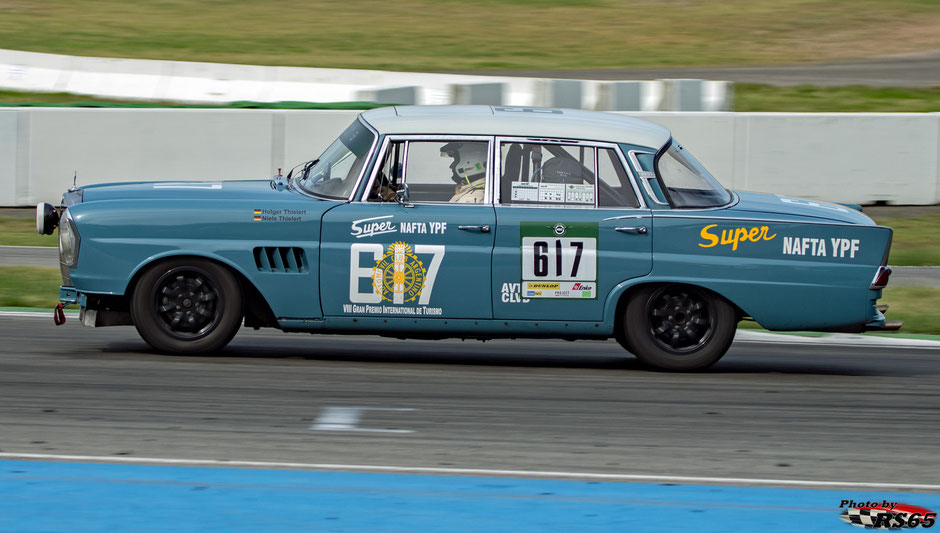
[678,327]
[187,305]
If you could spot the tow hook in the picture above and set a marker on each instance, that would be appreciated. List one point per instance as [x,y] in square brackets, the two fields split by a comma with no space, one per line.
[58,314]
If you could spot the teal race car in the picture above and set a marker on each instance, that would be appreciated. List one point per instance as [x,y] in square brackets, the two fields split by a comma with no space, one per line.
[473,222]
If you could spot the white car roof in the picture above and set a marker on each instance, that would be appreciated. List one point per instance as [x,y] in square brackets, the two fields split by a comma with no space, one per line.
[516,122]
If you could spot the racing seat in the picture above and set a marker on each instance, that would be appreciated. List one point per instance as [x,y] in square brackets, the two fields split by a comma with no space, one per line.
[511,170]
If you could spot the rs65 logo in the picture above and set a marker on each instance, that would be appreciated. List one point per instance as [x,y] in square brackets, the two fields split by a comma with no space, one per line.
[889,516]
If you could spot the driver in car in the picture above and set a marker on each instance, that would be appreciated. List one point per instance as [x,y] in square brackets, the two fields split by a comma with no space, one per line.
[468,170]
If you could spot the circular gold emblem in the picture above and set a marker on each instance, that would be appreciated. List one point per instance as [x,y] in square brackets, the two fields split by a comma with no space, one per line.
[399,276]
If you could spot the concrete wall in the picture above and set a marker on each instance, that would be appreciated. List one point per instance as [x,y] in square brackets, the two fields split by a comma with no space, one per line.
[859,158]
[838,157]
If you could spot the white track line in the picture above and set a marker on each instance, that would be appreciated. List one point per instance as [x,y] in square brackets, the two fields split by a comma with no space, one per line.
[476,472]
[35,314]
[833,339]
[742,336]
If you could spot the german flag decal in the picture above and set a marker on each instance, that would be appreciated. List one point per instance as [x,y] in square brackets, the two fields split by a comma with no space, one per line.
[257,215]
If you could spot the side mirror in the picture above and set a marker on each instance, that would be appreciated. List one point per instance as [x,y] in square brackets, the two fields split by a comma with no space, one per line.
[401,195]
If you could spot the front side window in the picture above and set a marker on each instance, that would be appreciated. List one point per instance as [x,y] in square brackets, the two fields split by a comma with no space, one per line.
[446,171]
[687,182]
[335,173]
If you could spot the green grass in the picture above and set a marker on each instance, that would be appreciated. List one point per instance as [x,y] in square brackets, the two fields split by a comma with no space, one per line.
[481,35]
[35,99]
[749,97]
[916,240]
[29,287]
[23,97]
[918,307]
[22,232]
[451,35]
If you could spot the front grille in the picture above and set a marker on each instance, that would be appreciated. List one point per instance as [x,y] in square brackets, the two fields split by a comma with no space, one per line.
[280,259]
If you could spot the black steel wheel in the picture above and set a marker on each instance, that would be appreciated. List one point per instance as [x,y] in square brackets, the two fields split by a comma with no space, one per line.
[678,327]
[187,305]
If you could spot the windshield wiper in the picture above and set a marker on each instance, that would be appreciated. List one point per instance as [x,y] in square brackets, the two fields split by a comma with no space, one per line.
[307,166]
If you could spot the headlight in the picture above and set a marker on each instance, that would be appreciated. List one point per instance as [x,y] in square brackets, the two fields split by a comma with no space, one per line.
[68,240]
[46,218]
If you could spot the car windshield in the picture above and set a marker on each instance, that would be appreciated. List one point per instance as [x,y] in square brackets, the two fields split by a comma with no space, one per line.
[687,182]
[335,173]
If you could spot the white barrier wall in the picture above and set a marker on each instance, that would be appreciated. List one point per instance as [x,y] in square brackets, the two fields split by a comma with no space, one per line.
[185,81]
[857,158]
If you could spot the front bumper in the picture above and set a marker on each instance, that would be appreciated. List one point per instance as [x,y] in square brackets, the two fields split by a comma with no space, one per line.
[97,310]
[70,296]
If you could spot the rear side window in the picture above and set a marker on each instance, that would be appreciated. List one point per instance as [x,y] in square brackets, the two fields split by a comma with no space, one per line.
[614,187]
[563,175]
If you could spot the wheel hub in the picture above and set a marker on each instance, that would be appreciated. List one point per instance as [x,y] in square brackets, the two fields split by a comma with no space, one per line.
[187,303]
[679,320]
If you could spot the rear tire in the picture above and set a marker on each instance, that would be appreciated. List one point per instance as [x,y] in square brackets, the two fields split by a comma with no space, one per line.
[187,305]
[678,327]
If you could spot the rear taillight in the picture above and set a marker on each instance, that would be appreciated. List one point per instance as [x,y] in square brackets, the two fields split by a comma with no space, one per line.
[881,278]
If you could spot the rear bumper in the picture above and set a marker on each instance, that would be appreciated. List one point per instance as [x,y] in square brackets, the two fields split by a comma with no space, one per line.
[880,323]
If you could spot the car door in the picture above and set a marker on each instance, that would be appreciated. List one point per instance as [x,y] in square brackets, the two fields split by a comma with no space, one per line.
[570,227]
[428,255]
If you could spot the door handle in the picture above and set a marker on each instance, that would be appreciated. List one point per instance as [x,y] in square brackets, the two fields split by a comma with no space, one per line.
[481,229]
[640,230]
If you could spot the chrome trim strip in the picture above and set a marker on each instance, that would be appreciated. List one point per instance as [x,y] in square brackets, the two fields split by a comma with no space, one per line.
[639,168]
[492,162]
[364,196]
[772,220]
[497,170]
[375,141]
[404,164]
[636,162]
[625,217]
[546,206]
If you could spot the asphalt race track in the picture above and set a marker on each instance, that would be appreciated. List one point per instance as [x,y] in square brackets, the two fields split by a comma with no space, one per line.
[774,411]
[918,69]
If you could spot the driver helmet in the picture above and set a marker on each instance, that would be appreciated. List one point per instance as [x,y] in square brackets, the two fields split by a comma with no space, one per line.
[469,160]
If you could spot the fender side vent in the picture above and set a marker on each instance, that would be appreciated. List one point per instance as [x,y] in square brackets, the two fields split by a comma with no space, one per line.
[280,259]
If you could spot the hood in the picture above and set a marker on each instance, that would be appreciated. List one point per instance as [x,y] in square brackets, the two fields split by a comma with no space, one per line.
[754,204]
[183,190]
